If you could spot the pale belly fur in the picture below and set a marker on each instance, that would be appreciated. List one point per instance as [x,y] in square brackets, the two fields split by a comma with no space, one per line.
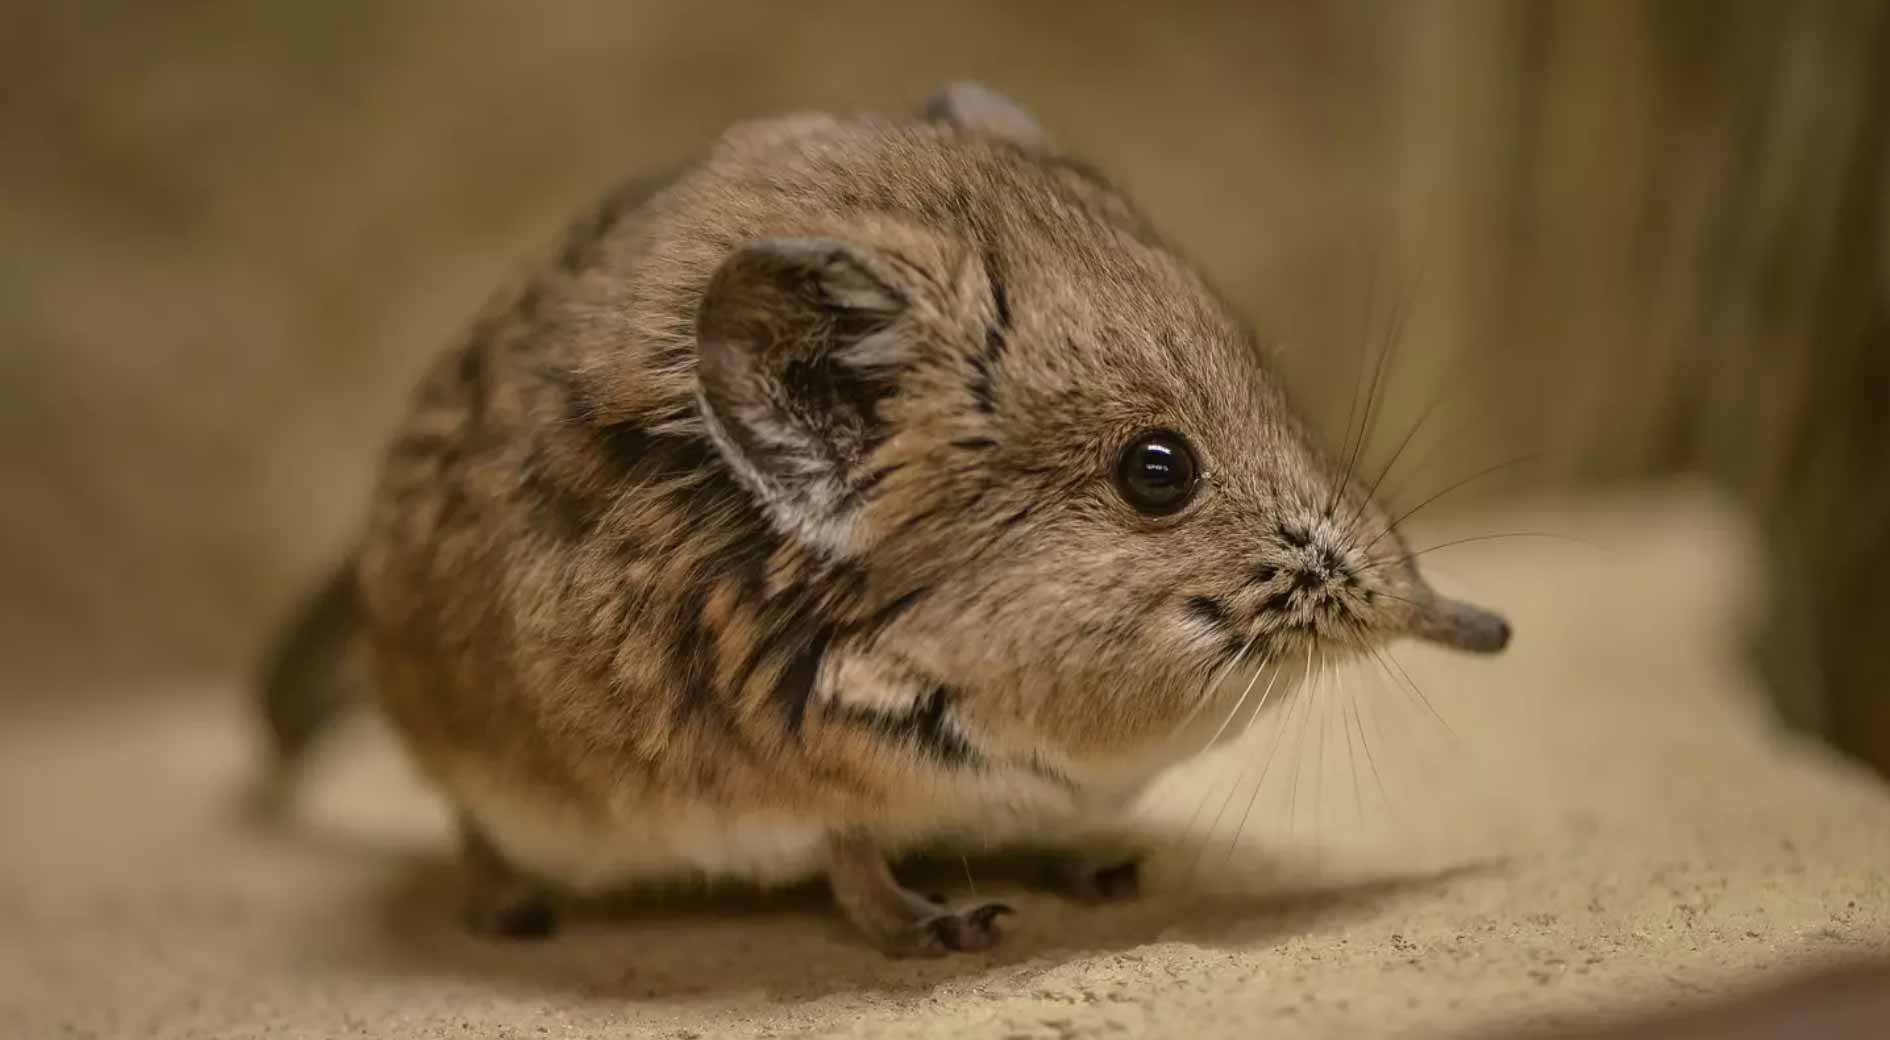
[647,843]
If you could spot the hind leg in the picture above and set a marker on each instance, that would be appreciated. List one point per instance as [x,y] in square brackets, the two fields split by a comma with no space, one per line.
[899,921]
[500,901]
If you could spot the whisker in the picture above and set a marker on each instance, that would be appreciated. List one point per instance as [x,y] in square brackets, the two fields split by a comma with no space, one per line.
[1232,663]
[1452,382]
[1390,677]
[1479,415]
[1207,694]
[1401,316]
[1279,731]
[1207,837]
[1220,676]
[1212,686]
[1351,754]
[1358,379]
[1207,795]
[1478,475]
[1371,759]
[1319,769]
[1414,688]
[1262,706]
[1551,535]
[1453,543]
[1304,694]
[1394,336]
[1365,501]
[1299,759]
[1238,704]
[1258,708]
[1392,595]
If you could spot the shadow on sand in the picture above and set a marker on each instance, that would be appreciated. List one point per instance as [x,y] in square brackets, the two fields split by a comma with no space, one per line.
[791,944]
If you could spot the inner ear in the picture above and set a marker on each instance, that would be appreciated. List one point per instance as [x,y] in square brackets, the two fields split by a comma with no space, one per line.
[797,348]
[979,109]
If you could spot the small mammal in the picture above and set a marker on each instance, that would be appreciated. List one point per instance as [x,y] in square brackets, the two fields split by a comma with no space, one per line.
[875,483]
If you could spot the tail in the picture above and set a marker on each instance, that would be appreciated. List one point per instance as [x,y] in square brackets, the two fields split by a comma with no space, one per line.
[312,675]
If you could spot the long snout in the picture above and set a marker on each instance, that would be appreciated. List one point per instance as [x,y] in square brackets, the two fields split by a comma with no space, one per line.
[1461,626]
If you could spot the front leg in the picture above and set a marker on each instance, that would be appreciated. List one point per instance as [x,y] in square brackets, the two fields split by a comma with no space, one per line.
[500,901]
[1095,877]
[901,922]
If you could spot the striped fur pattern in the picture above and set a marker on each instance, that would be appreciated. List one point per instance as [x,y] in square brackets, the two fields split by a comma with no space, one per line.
[780,505]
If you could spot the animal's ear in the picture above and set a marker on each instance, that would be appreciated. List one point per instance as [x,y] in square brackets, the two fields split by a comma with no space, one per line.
[979,109]
[798,346]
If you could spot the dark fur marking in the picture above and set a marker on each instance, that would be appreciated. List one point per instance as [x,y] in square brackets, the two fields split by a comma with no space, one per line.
[749,560]
[787,623]
[694,645]
[1296,537]
[562,510]
[879,619]
[1262,573]
[1018,517]
[922,726]
[974,443]
[1307,580]
[796,685]
[639,451]
[982,386]
[1210,610]
[1278,602]
[873,479]
[995,336]
[922,517]
[1236,646]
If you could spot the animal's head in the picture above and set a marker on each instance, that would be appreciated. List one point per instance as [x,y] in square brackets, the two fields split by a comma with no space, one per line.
[984,381]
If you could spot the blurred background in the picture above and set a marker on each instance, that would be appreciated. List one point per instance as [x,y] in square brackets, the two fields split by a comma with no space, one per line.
[1610,240]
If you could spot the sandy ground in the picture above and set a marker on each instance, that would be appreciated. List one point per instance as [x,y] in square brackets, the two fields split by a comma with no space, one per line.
[1606,822]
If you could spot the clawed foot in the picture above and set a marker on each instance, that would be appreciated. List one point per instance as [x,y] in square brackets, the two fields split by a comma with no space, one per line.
[900,922]
[968,930]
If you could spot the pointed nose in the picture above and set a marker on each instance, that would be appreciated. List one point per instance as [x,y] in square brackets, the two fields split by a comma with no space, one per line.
[1461,625]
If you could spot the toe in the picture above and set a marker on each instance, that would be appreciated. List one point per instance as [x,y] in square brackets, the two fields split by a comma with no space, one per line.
[968,931]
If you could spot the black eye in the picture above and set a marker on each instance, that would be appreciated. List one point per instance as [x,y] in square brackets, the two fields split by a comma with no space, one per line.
[1157,472]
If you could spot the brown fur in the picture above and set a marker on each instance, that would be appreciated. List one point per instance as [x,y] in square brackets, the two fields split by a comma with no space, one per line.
[825,531]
